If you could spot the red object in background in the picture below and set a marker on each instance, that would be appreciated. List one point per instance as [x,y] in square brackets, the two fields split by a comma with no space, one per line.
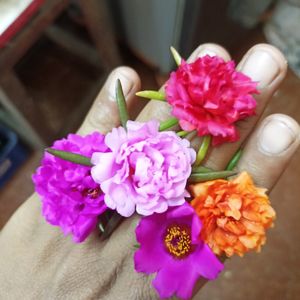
[20,21]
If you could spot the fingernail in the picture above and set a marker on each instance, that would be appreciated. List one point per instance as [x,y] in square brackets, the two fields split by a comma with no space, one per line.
[260,66]
[206,51]
[127,84]
[276,136]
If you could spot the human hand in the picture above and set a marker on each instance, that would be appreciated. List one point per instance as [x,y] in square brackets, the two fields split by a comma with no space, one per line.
[38,262]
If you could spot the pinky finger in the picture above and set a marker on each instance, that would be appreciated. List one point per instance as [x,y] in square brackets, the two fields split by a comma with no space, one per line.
[270,148]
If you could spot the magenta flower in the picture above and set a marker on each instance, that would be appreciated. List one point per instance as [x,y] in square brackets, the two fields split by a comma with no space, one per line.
[70,198]
[210,96]
[146,170]
[170,246]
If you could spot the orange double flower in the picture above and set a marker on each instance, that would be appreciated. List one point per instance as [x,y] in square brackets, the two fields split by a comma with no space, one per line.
[235,214]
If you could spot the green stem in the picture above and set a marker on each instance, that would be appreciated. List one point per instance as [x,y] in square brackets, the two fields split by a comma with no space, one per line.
[201,177]
[234,160]
[72,157]
[203,150]
[168,124]
[176,56]
[182,133]
[121,104]
[153,95]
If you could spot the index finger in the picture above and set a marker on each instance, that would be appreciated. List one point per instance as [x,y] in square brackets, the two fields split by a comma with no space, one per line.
[103,115]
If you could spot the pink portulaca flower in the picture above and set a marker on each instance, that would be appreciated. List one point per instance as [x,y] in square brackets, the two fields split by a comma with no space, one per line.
[170,246]
[209,96]
[146,170]
[70,197]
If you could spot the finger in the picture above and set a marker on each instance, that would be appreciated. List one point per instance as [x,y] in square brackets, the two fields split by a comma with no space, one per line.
[270,148]
[267,154]
[211,50]
[161,110]
[103,115]
[266,65]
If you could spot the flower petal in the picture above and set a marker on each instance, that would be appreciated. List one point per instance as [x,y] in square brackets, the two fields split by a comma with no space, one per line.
[208,265]
[103,166]
[167,281]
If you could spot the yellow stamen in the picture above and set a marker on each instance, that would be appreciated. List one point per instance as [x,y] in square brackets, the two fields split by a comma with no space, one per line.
[178,241]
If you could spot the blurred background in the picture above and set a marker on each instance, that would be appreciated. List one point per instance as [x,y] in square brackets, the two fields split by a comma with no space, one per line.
[56,54]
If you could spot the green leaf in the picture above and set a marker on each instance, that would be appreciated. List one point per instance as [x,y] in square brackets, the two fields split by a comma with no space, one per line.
[203,150]
[72,157]
[201,177]
[234,160]
[176,56]
[168,124]
[121,104]
[153,95]
[201,169]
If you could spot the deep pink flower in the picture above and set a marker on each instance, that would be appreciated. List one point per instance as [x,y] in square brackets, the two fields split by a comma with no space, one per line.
[170,246]
[146,170]
[70,198]
[209,95]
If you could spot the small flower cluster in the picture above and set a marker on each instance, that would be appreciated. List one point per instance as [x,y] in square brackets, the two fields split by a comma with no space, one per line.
[140,168]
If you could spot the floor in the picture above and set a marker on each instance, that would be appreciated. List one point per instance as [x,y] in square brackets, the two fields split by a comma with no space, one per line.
[273,274]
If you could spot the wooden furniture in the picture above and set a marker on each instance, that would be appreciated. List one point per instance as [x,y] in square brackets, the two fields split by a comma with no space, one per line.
[27,118]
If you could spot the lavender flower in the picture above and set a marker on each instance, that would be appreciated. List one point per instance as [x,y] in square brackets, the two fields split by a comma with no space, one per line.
[146,170]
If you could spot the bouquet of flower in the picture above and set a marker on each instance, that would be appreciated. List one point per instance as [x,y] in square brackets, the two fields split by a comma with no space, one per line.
[192,217]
